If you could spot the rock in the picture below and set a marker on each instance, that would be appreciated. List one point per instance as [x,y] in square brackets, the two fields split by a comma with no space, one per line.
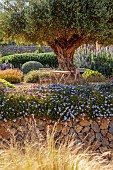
[90,137]
[111,130]
[78,128]
[86,129]
[104,124]
[105,142]
[82,136]
[58,128]
[96,145]
[103,149]
[56,135]
[4,133]
[72,132]
[84,123]
[95,127]
[41,123]
[111,144]
[69,124]
[104,132]
[65,130]
[111,124]
[99,137]
[110,136]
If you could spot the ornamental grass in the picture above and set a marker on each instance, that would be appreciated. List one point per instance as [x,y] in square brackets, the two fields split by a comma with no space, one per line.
[40,154]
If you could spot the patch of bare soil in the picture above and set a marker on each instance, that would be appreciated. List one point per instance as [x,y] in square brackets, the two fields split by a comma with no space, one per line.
[22,84]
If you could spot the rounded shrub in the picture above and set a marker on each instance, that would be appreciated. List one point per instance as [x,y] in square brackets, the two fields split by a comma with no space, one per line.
[31,65]
[93,76]
[36,76]
[31,77]
[11,75]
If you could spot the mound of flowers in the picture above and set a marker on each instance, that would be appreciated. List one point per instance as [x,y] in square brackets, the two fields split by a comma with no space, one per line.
[57,102]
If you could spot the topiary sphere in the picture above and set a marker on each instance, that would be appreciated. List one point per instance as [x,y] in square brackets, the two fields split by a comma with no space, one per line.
[31,65]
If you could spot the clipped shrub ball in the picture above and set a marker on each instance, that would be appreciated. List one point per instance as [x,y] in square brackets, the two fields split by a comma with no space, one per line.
[6,83]
[31,65]
[11,75]
[93,76]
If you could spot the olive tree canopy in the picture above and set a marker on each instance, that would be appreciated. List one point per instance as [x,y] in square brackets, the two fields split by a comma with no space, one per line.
[64,25]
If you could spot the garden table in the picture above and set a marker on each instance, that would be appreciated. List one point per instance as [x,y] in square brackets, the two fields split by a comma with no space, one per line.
[65,76]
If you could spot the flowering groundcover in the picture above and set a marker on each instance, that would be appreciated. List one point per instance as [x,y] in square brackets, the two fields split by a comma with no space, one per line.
[57,101]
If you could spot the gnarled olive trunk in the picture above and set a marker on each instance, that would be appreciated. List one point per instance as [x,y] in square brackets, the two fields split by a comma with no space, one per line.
[65,49]
[65,60]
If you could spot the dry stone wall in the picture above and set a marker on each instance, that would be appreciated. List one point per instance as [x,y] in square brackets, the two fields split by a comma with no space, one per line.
[96,134]
[13,49]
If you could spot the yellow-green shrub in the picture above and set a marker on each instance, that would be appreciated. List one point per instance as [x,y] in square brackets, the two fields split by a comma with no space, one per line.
[93,76]
[35,76]
[6,83]
[11,75]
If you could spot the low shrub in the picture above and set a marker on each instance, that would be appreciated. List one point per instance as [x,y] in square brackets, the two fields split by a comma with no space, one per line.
[31,65]
[31,77]
[93,76]
[58,102]
[36,76]
[17,60]
[6,83]
[11,75]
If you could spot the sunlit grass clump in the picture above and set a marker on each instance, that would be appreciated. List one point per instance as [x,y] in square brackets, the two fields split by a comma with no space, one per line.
[44,155]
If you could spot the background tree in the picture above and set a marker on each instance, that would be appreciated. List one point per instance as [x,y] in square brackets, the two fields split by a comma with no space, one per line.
[62,24]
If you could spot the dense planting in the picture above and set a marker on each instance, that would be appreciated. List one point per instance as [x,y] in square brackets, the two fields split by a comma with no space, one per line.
[102,60]
[11,75]
[47,59]
[58,101]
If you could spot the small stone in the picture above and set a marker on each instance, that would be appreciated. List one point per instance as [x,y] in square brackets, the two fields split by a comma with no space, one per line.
[111,130]
[95,127]
[90,137]
[104,124]
[103,149]
[99,137]
[69,124]
[104,132]
[111,124]
[105,141]
[59,128]
[85,123]
[110,136]
[81,136]
[96,145]
[111,144]
[86,129]
[72,132]
[65,130]
[78,128]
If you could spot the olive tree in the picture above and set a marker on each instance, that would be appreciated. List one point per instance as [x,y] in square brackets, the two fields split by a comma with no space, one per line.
[64,25]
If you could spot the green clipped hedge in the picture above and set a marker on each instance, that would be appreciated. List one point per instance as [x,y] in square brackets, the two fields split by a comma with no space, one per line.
[47,59]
